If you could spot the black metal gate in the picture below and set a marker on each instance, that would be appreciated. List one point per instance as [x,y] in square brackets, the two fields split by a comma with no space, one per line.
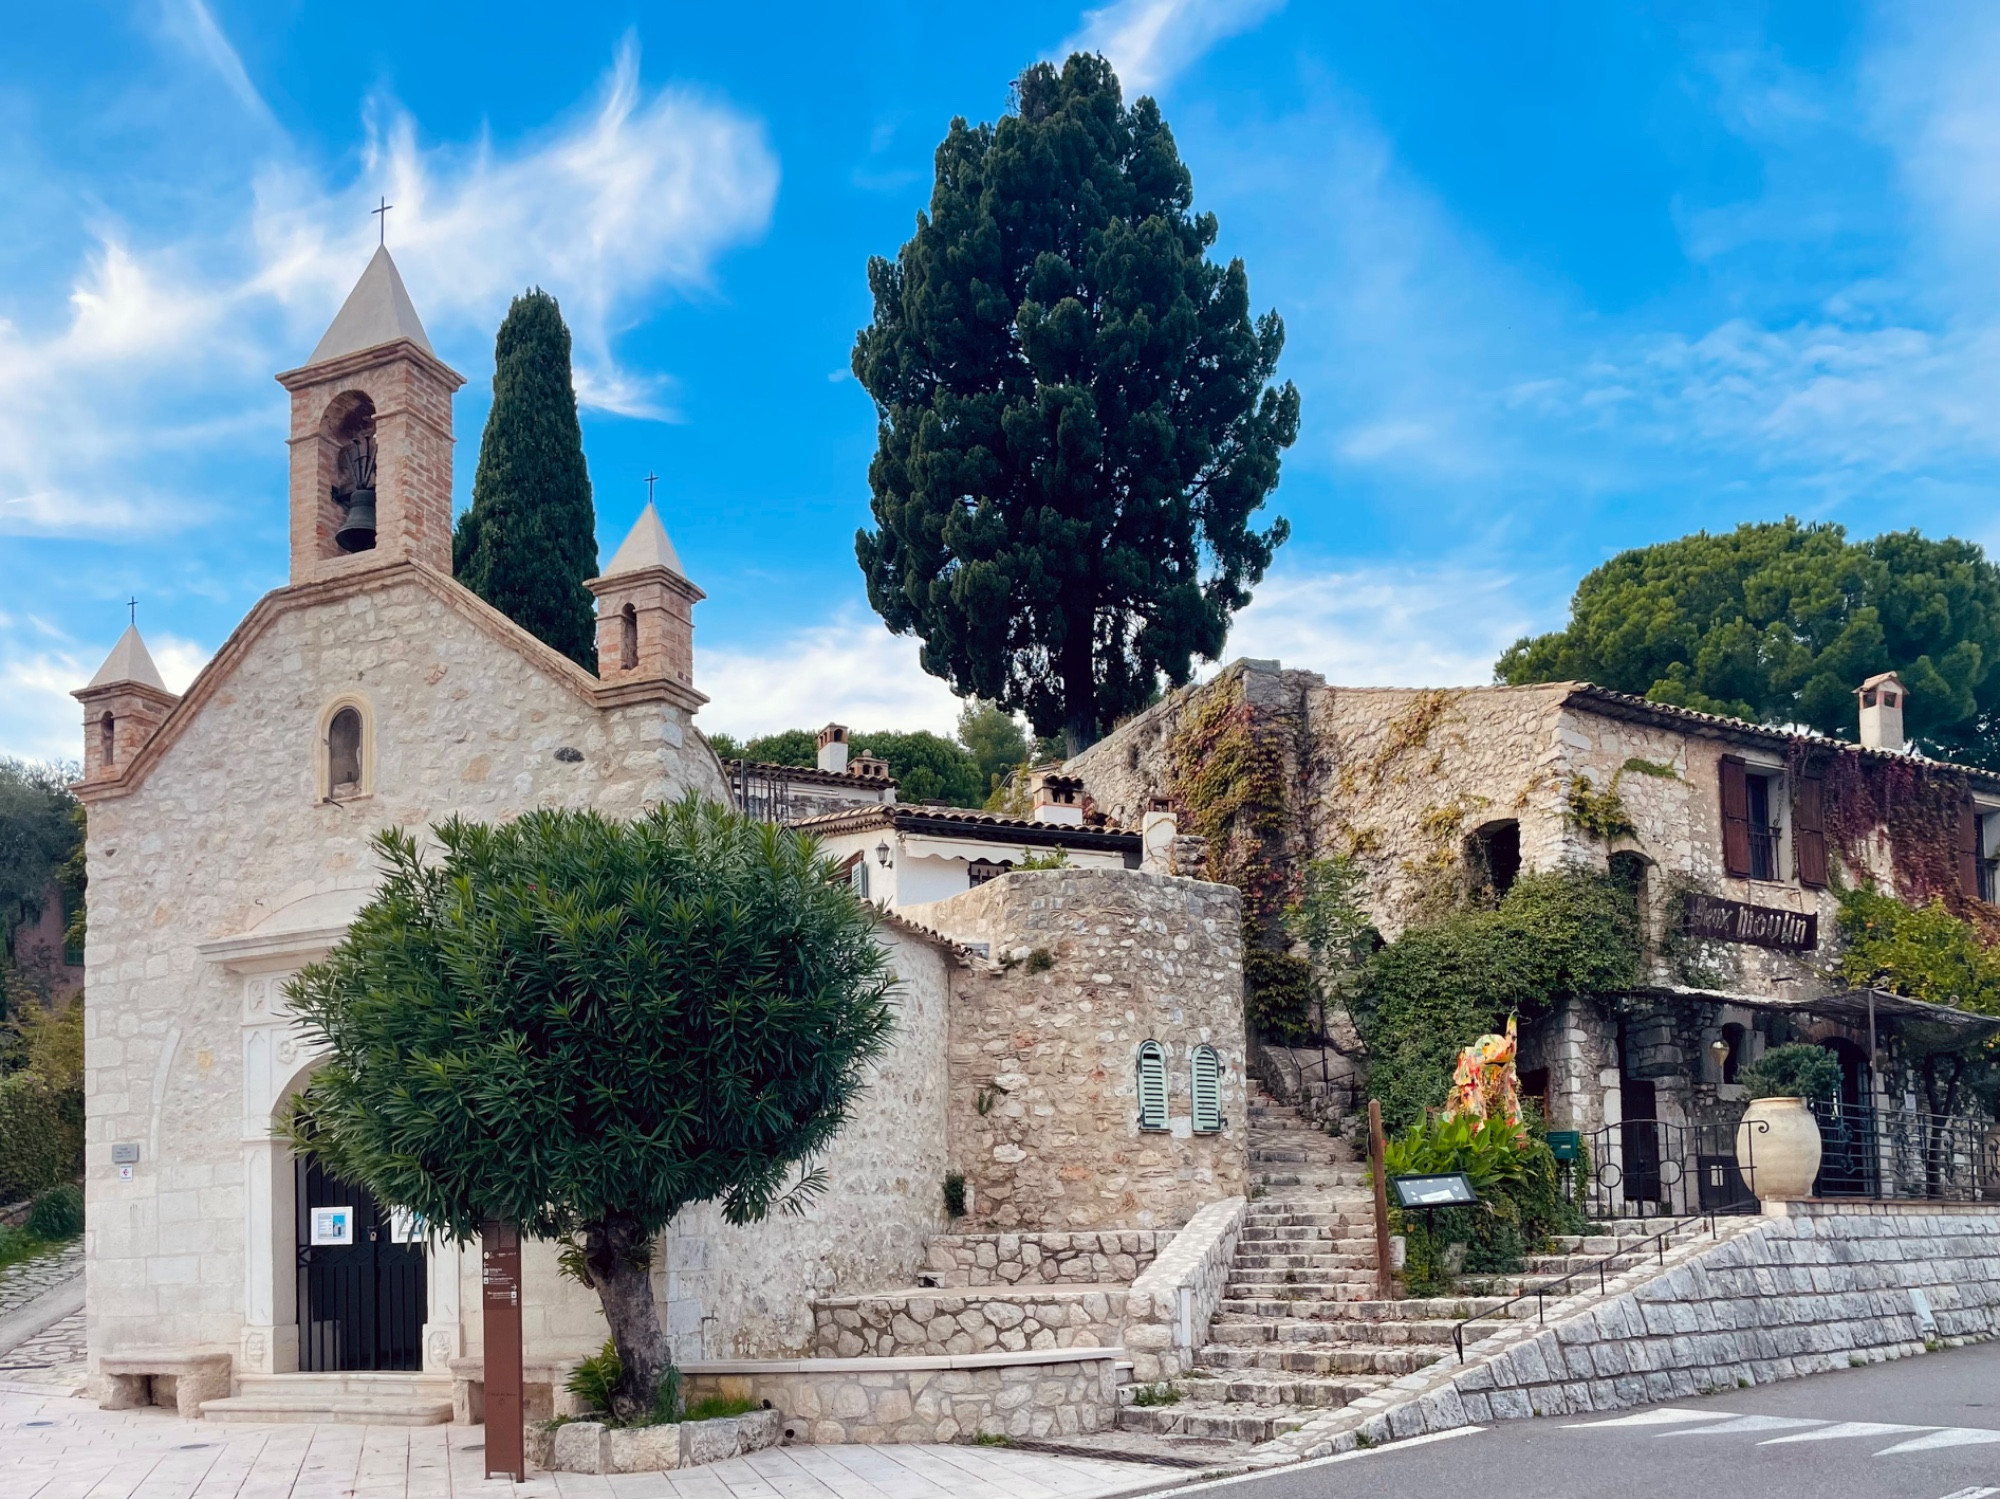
[361,1294]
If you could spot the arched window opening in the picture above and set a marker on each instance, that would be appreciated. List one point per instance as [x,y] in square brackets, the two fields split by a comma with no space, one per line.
[1152,1085]
[1733,1037]
[348,428]
[1628,873]
[107,740]
[343,753]
[628,638]
[1205,1090]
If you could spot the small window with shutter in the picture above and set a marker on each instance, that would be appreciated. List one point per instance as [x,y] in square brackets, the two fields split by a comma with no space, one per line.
[1971,851]
[1205,1090]
[1809,831]
[1735,817]
[1152,1085]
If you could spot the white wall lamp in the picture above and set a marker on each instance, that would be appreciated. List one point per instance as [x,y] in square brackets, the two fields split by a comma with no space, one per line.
[882,854]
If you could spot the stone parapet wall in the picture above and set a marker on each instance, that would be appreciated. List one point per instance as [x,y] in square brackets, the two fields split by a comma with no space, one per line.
[830,1401]
[1197,1263]
[1827,1286]
[907,1324]
[1043,1109]
[1102,1258]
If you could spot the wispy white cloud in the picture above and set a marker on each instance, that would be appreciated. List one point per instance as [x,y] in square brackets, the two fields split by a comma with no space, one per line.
[1151,42]
[849,670]
[640,193]
[193,25]
[42,721]
[1385,626]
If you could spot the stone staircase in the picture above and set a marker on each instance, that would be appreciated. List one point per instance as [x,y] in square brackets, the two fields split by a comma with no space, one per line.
[379,1399]
[1301,1327]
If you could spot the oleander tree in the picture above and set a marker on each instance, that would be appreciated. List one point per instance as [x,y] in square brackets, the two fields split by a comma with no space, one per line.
[581,1026]
[1076,420]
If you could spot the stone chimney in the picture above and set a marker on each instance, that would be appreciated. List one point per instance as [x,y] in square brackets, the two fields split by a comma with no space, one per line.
[833,749]
[1882,712]
[1156,838]
[868,767]
[1059,799]
[124,703]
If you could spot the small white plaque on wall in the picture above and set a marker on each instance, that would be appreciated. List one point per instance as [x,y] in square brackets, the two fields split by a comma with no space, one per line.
[333,1225]
[405,1226]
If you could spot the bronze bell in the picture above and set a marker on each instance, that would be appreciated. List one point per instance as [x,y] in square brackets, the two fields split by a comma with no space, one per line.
[357,532]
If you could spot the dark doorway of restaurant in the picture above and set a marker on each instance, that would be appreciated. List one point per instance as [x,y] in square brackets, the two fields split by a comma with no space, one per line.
[361,1294]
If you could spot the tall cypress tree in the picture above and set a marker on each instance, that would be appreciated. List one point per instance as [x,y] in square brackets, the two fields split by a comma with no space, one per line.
[530,539]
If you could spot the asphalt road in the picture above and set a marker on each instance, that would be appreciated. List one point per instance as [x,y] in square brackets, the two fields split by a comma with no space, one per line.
[1920,1428]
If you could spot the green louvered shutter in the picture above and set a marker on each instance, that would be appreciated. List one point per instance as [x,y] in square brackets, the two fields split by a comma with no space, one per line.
[1152,1086]
[1205,1088]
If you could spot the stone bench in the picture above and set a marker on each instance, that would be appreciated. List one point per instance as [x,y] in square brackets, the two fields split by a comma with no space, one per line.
[543,1396]
[164,1376]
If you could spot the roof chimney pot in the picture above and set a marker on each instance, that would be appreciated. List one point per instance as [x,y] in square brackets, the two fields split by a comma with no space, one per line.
[833,749]
[1882,713]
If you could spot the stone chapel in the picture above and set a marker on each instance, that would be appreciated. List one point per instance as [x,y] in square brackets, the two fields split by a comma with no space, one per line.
[228,846]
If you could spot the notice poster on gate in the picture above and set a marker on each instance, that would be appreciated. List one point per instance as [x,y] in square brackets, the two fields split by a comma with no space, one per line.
[333,1225]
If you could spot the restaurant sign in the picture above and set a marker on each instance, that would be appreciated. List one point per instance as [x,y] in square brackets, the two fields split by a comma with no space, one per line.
[1710,918]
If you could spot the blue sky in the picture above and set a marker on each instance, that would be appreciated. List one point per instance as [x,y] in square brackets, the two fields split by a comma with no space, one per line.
[1558,279]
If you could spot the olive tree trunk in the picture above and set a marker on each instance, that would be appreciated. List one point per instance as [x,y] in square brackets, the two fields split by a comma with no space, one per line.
[618,1255]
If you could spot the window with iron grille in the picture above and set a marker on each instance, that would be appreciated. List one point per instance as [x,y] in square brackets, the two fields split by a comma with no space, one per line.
[1205,1090]
[1152,1085]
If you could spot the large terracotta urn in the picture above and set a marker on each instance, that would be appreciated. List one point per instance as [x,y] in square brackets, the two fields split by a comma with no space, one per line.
[1777,1148]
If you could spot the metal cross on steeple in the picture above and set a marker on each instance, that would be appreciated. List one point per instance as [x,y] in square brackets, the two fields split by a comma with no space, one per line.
[132,606]
[651,480]
[382,220]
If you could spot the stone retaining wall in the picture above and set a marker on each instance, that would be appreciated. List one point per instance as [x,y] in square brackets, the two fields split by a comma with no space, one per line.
[925,1399]
[910,1324]
[1043,1259]
[1826,1286]
[1198,1262]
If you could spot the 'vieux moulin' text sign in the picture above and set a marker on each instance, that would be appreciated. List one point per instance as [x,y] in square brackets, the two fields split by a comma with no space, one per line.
[1713,919]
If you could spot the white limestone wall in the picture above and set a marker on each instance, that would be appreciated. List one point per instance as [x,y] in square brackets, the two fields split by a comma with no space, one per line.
[226,830]
[747,1292]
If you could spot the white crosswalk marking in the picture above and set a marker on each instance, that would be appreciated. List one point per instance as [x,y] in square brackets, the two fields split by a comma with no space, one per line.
[1666,1415]
[1848,1429]
[1951,1436]
[1972,1494]
[1741,1424]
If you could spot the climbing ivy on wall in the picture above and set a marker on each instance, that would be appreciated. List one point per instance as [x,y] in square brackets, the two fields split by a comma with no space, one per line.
[1916,805]
[1227,777]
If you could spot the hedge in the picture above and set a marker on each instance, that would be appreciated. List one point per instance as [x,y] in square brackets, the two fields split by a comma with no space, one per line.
[41,1135]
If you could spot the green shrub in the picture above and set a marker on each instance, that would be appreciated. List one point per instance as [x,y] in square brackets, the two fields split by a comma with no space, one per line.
[1442,985]
[1280,996]
[41,1135]
[57,1213]
[1797,1070]
[593,1380]
[718,1407]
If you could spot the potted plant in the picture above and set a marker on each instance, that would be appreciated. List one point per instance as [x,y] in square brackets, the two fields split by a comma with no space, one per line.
[1777,1144]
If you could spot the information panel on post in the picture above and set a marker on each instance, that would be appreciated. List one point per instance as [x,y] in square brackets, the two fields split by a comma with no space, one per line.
[1450,1189]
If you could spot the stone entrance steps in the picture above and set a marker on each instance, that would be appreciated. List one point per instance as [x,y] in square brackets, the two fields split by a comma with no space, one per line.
[378,1398]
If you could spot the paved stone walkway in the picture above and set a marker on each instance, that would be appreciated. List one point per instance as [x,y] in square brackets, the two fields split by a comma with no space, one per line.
[55,1357]
[59,1448]
[22,1282]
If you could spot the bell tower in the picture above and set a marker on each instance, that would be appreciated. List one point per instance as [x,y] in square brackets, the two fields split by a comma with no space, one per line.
[371,437]
[645,620]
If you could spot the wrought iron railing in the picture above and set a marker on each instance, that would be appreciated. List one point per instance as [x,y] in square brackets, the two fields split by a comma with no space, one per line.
[1645,1168]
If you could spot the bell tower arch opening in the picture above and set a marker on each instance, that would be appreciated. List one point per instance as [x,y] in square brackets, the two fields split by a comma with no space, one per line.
[348,431]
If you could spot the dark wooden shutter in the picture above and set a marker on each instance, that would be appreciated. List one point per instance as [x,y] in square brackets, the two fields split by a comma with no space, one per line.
[1809,831]
[1735,818]
[1968,849]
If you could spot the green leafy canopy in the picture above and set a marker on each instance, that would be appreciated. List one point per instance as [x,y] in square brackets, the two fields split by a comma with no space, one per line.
[1076,423]
[568,1020]
[1779,623]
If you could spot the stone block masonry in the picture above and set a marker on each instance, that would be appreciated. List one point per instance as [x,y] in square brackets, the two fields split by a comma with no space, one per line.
[1043,1111]
[1825,1287]
[977,1320]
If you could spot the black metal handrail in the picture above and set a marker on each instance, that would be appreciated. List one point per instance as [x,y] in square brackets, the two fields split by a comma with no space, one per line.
[1601,1266]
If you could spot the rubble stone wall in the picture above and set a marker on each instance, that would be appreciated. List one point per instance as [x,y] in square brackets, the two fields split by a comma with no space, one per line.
[1041,1258]
[979,1319]
[1043,1113]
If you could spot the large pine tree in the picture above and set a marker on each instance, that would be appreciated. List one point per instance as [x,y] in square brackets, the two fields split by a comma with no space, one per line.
[1077,423]
[530,539]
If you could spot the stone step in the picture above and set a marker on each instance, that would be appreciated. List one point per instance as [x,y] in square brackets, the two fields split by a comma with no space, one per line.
[1341,1358]
[1361,1308]
[1214,1421]
[1257,1258]
[1269,1387]
[365,1410]
[1327,1283]
[1276,1328]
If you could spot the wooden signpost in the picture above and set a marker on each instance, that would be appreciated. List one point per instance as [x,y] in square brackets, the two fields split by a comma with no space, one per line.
[1385,1274]
[500,1312]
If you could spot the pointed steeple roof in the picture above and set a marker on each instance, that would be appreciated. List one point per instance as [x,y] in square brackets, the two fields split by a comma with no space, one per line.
[645,545]
[129,661]
[377,311]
